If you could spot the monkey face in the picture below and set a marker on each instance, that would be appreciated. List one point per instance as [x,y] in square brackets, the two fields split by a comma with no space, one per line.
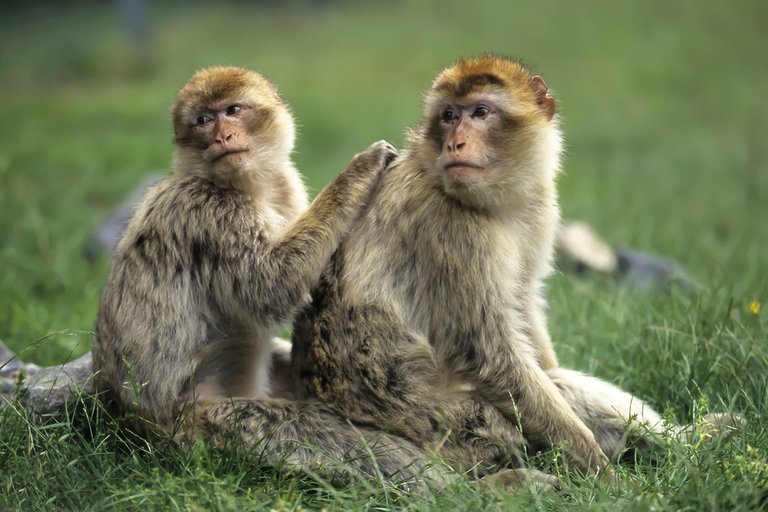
[466,126]
[230,121]
[490,131]
[223,133]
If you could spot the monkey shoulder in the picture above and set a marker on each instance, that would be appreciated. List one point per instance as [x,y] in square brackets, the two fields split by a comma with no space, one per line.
[405,201]
[182,212]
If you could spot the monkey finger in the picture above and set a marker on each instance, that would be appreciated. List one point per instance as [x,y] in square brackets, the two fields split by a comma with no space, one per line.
[386,151]
[375,157]
[390,156]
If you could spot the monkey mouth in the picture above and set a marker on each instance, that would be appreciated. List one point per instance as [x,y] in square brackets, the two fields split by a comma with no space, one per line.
[464,172]
[227,153]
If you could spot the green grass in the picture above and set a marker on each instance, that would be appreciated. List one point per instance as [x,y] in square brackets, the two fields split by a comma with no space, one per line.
[666,121]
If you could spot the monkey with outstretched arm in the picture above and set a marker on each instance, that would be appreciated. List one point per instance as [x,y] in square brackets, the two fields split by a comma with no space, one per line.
[216,258]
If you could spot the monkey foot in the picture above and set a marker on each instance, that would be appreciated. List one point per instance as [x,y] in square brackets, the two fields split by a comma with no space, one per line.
[712,425]
[520,478]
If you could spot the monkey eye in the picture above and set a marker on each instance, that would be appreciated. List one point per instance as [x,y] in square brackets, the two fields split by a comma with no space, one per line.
[203,119]
[481,111]
[448,116]
[233,109]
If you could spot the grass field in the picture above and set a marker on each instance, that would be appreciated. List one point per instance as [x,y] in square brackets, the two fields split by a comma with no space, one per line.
[666,121]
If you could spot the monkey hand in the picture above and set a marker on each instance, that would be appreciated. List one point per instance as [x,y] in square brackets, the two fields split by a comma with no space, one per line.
[377,157]
[353,187]
[585,454]
[366,169]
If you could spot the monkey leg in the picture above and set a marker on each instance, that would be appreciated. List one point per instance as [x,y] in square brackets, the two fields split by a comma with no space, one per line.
[475,437]
[620,420]
[614,416]
[362,363]
[281,377]
[305,436]
[711,425]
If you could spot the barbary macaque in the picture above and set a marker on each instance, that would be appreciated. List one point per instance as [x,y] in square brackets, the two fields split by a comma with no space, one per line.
[430,321]
[216,258]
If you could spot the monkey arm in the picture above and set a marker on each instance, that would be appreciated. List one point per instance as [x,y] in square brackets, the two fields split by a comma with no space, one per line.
[545,352]
[278,278]
[513,381]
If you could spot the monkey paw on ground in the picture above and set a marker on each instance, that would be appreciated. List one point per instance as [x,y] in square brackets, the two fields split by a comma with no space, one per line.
[520,478]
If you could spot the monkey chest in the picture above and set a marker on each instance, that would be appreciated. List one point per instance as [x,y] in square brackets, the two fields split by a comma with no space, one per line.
[461,299]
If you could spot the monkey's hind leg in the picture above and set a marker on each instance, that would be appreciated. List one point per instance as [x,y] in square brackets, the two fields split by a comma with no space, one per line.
[365,365]
[477,438]
[306,437]
[620,420]
[615,416]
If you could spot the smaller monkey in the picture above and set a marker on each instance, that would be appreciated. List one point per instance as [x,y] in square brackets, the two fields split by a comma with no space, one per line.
[430,320]
[220,253]
[217,256]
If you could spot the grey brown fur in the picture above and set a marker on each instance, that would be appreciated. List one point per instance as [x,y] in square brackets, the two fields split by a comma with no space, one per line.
[430,321]
[217,256]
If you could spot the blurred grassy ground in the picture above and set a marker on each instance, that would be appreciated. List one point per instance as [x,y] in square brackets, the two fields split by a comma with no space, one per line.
[664,112]
[661,103]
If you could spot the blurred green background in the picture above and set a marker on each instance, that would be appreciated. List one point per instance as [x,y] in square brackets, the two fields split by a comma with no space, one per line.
[663,107]
[666,121]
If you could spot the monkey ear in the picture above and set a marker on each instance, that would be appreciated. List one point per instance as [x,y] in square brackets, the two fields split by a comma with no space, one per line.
[546,103]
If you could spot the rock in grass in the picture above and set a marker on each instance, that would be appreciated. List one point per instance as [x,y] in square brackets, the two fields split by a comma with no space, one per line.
[582,250]
[105,236]
[44,390]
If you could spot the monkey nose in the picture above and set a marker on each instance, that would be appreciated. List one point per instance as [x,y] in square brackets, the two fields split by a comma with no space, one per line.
[224,139]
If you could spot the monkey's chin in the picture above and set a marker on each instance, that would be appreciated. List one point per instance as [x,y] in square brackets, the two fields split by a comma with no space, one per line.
[234,159]
[464,174]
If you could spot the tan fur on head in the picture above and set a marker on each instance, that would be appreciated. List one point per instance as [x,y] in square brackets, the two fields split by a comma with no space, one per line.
[272,126]
[488,74]
[215,84]
[523,168]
